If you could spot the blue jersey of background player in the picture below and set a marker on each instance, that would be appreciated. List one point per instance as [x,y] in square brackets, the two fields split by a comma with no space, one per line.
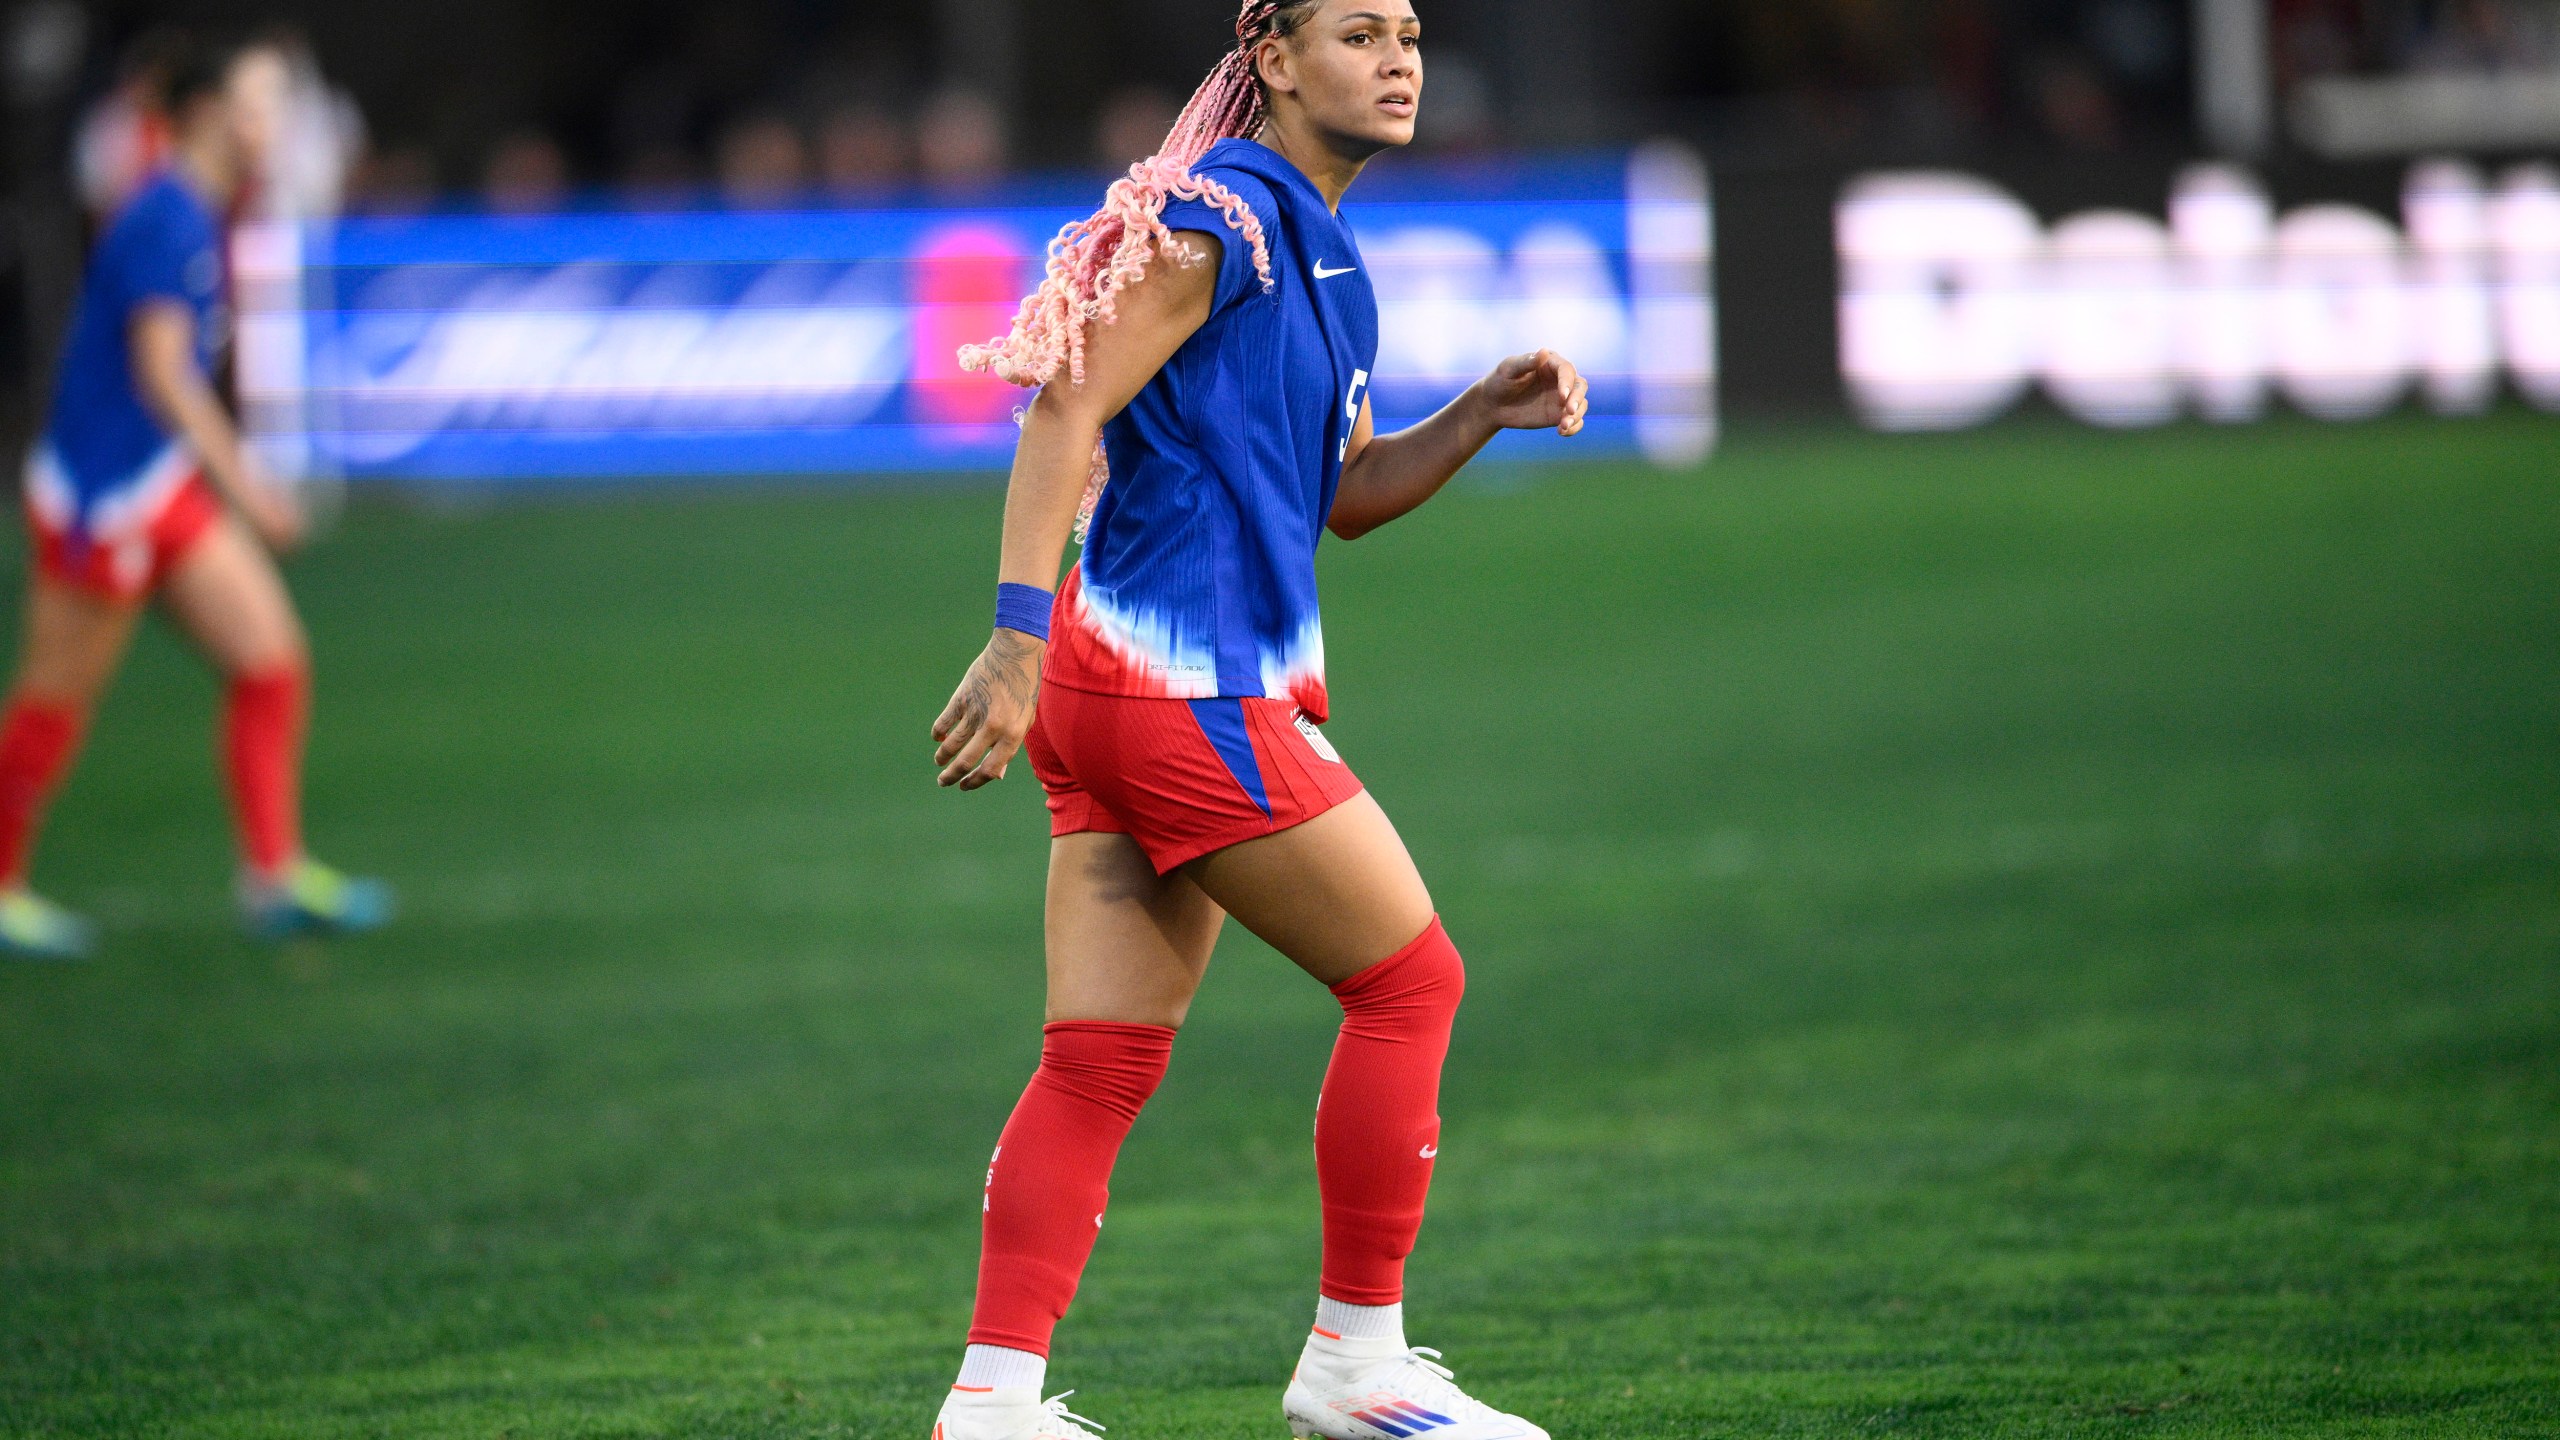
[106,463]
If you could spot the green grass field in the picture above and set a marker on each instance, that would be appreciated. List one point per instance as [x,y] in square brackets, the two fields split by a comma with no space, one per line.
[2030,933]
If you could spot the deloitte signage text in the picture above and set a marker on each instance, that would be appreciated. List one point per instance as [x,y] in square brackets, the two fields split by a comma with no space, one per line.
[1954,300]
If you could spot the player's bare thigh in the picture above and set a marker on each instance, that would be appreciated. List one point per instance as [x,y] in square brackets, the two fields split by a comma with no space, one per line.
[1125,944]
[72,644]
[1336,895]
[229,599]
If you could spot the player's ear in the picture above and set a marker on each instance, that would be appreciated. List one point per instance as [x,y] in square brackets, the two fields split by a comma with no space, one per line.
[1272,64]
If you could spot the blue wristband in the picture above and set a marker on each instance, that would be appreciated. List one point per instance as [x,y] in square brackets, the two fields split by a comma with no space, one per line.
[1024,608]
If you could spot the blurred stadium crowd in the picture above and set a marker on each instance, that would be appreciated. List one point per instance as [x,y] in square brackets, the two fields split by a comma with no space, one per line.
[764,102]
[2344,37]
[751,106]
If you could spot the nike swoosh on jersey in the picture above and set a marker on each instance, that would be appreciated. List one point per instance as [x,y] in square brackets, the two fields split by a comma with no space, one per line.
[1324,274]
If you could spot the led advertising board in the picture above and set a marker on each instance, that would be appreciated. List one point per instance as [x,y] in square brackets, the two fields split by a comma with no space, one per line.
[495,349]
[1955,300]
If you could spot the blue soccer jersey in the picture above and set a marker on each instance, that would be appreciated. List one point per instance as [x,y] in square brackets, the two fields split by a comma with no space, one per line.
[101,442]
[1198,578]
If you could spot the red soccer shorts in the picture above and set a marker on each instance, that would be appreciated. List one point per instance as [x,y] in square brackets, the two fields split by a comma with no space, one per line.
[1183,778]
[124,560]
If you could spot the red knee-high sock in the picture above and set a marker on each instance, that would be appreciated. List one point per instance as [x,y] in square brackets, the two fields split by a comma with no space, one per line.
[37,741]
[262,726]
[1051,1176]
[1378,1124]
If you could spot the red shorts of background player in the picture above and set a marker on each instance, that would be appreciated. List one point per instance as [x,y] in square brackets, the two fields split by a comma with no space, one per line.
[131,542]
[1183,778]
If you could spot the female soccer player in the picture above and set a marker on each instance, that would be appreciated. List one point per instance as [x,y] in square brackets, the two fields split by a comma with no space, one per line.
[1212,331]
[120,509]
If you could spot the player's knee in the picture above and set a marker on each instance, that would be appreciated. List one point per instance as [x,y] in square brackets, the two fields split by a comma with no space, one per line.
[1159,1009]
[1113,1066]
[60,682]
[1425,976]
[1443,972]
[33,687]
[277,654]
[24,699]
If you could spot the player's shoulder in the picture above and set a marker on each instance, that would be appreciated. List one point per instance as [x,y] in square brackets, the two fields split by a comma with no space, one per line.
[1210,223]
[1243,169]
[163,198]
[1204,211]
[1244,184]
[163,212]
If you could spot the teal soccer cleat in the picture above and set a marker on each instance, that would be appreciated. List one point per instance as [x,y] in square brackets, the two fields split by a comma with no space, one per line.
[34,928]
[313,899]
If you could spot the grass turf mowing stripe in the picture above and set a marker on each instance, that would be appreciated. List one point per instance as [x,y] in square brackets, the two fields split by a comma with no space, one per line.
[2023,933]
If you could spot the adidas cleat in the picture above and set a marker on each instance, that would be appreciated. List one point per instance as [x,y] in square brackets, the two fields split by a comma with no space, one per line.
[313,899]
[34,928]
[1010,1415]
[1379,1390]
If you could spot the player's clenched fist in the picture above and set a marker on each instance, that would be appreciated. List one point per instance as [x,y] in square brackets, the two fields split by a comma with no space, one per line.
[1542,391]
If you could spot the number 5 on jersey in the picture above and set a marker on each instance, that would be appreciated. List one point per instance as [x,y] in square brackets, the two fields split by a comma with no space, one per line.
[1351,411]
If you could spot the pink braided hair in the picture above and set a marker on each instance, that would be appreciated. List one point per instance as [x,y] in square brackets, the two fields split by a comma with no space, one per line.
[1094,259]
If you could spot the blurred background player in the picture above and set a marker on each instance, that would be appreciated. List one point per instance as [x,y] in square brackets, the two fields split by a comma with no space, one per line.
[124,138]
[126,495]
[312,131]
[1213,327]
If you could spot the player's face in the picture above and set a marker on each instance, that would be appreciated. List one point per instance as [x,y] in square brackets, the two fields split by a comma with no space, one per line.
[258,90]
[1356,66]
[208,126]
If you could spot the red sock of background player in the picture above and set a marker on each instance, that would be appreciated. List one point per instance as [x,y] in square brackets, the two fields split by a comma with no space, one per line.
[1378,1130]
[37,741]
[263,719]
[1047,1187]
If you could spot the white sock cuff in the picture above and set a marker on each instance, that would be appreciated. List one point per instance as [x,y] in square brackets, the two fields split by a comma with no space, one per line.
[993,1367]
[1360,1322]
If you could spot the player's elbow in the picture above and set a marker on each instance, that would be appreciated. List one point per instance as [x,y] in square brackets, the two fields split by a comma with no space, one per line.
[1350,525]
[1357,507]
[159,385]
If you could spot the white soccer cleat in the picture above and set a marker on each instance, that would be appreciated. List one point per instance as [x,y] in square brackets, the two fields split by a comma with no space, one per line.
[1010,1415]
[1377,1390]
